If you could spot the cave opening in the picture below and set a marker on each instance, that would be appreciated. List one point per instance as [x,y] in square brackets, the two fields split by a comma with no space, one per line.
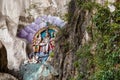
[3,58]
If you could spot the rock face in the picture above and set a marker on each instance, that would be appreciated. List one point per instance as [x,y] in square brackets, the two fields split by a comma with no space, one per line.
[51,7]
[12,48]
[15,54]
[4,76]
[69,40]
[3,58]
[13,9]
[9,18]
[10,13]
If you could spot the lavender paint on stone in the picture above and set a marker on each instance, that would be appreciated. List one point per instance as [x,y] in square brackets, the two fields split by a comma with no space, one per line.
[22,33]
[29,31]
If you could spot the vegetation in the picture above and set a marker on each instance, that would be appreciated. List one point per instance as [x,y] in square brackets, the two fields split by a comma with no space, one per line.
[52,54]
[100,59]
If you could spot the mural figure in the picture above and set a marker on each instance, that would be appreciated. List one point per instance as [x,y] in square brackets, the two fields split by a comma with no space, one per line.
[52,41]
[43,45]
[36,43]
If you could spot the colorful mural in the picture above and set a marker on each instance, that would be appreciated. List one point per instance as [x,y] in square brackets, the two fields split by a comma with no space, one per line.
[40,38]
[44,42]
[41,34]
[41,22]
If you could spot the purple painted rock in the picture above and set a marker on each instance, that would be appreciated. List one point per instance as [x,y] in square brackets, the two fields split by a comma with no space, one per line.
[30,37]
[22,33]
[29,29]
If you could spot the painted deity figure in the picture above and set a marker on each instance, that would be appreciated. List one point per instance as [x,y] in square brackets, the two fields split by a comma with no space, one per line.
[46,40]
[44,48]
[44,45]
[47,43]
[52,41]
[36,43]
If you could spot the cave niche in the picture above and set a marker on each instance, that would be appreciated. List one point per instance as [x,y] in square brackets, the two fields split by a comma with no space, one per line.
[3,58]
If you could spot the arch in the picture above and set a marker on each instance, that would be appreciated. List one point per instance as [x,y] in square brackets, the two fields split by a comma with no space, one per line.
[44,28]
[41,33]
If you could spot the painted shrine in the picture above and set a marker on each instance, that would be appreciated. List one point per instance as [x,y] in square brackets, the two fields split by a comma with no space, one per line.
[43,42]
[41,35]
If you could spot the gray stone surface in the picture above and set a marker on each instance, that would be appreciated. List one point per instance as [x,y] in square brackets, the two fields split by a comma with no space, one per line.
[5,76]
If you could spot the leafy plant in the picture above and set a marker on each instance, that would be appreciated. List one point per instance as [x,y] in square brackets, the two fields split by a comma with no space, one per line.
[104,64]
[52,54]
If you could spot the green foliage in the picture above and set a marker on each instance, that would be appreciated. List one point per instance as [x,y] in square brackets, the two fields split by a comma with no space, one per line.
[85,61]
[66,17]
[111,74]
[90,6]
[52,54]
[87,5]
[105,63]
[102,19]
[107,50]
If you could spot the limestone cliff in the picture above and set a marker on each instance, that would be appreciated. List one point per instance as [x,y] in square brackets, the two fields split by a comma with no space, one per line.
[14,15]
[71,38]
[11,16]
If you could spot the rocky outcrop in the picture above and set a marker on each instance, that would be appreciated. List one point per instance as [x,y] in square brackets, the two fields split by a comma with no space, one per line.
[9,18]
[15,54]
[69,40]
[23,12]
[13,13]
[48,7]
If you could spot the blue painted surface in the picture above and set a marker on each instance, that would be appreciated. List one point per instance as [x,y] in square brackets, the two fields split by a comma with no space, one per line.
[28,70]
[34,71]
[50,32]
[42,56]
